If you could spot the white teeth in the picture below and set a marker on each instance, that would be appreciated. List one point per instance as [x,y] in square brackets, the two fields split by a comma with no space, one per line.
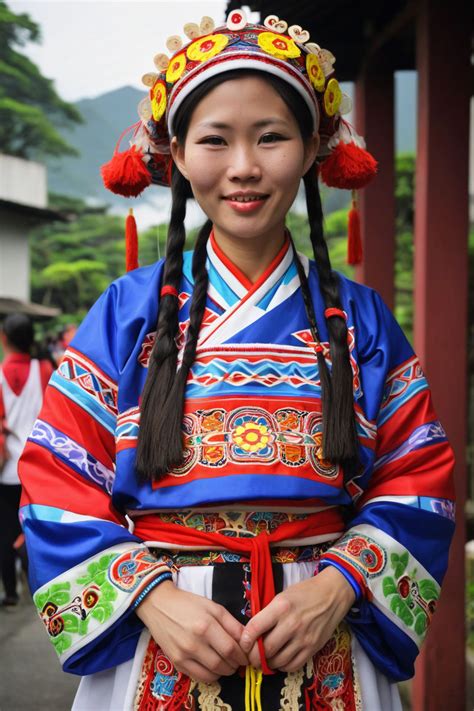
[250,198]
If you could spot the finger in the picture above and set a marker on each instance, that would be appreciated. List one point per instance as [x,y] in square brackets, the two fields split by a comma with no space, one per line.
[229,623]
[226,647]
[196,671]
[278,637]
[258,625]
[254,656]
[210,659]
[286,654]
[298,661]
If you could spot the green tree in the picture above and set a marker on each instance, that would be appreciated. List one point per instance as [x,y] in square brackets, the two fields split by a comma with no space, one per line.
[30,109]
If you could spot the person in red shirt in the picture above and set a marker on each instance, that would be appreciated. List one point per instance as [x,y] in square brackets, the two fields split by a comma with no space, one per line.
[23,380]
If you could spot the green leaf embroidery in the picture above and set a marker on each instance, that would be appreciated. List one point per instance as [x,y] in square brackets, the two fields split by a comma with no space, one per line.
[399,563]
[105,561]
[404,558]
[59,586]
[83,626]
[389,586]
[401,609]
[62,642]
[71,623]
[421,624]
[399,569]
[53,594]
[108,592]
[100,578]
[60,598]
[428,590]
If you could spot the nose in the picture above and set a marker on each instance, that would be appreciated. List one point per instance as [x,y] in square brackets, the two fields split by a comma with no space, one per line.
[243,165]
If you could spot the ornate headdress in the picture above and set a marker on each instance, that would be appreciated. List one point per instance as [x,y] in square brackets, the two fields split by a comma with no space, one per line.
[273,47]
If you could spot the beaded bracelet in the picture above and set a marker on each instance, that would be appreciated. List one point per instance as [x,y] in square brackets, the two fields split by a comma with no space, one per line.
[159,579]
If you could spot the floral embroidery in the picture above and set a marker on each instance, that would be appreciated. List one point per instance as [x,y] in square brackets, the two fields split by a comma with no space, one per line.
[407,591]
[332,97]
[206,47]
[127,571]
[160,685]
[334,683]
[278,45]
[289,435]
[251,436]
[361,552]
[413,601]
[65,614]
[158,99]
[315,73]
[96,593]
[176,68]
[327,683]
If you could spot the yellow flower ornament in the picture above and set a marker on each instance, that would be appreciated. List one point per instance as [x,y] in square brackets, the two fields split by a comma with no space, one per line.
[206,47]
[158,99]
[251,437]
[332,97]
[278,46]
[315,73]
[176,67]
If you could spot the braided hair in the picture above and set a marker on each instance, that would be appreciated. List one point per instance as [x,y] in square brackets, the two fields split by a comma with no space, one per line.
[160,442]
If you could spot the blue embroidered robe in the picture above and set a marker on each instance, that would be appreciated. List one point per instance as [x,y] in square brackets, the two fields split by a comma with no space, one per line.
[252,438]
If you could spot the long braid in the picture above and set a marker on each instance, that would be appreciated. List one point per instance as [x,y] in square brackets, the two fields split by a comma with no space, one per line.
[173,409]
[340,443]
[324,376]
[163,358]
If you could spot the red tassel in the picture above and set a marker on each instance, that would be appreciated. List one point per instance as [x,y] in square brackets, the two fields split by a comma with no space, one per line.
[131,242]
[348,166]
[354,242]
[126,174]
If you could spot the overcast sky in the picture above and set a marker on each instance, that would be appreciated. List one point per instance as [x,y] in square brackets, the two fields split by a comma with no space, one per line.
[92,46]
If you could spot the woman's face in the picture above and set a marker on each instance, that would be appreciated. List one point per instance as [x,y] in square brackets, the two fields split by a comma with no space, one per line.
[244,157]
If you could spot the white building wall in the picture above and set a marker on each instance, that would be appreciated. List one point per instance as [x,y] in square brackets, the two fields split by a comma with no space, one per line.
[14,257]
[23,181]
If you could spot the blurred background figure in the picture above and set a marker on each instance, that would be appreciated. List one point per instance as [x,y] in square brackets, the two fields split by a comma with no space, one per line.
[23,379]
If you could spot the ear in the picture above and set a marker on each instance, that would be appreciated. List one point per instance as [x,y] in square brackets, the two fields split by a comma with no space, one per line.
[311,149]
[177,152]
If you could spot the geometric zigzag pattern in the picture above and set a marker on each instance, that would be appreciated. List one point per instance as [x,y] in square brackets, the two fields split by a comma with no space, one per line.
[401,385]
[80,370]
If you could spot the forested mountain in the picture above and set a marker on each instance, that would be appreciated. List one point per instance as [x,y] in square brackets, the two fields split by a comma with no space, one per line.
[105,117]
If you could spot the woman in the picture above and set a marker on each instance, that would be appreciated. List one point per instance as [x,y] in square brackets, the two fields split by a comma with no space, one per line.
[23,380]
[279,405]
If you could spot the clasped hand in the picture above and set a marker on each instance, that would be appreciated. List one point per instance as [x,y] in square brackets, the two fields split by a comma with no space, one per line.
[204,641]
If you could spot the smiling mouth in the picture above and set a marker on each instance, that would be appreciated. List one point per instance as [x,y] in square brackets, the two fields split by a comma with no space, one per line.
[246,198]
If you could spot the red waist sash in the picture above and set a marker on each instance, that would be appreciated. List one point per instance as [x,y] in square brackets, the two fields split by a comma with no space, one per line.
[257,548]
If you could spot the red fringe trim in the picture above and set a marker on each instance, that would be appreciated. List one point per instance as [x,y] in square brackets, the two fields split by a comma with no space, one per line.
[131,242]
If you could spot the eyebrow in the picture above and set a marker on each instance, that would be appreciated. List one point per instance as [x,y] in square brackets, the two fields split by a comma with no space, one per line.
[258,124]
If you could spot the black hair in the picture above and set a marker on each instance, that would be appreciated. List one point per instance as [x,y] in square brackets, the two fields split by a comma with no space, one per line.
[160,443]
[18,328]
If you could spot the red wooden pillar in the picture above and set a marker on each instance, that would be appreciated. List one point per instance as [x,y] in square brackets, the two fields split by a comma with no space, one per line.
[441,230]
[374,119]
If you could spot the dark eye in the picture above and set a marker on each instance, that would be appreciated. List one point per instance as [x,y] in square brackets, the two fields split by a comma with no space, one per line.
[213,140]
[271,138]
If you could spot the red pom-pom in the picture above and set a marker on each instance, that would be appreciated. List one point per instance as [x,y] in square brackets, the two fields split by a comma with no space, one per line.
[131,242]
[126,174]
[348,167]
